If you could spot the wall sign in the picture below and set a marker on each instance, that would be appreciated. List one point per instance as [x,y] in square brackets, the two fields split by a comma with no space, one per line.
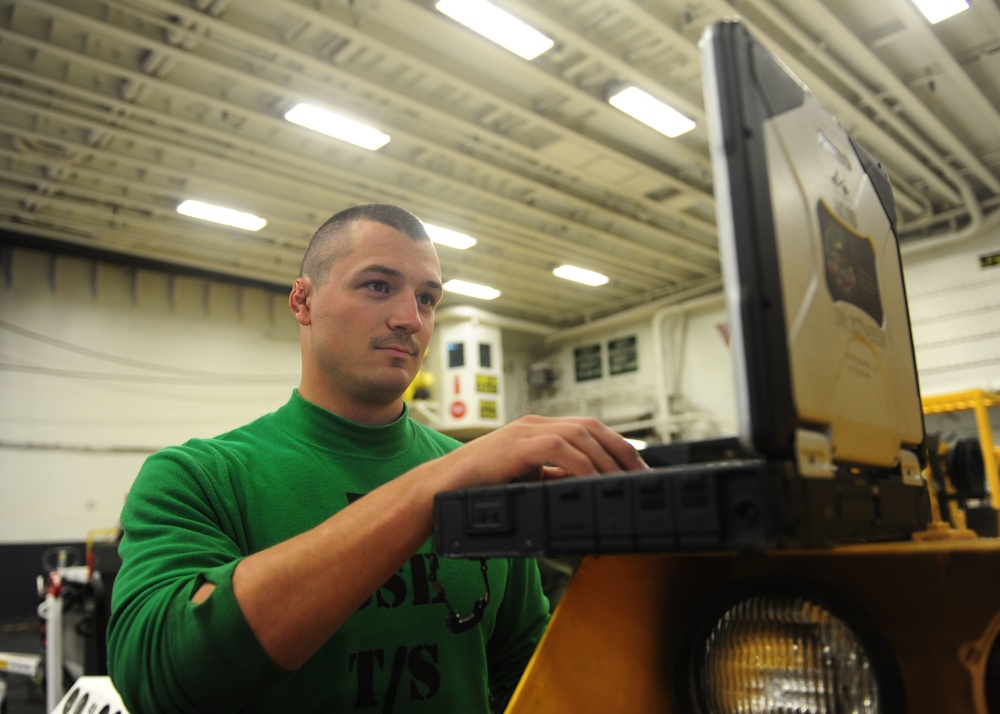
[487,384]
[989,260]
[588,363]
[485,355]
[622,355]
[456,354]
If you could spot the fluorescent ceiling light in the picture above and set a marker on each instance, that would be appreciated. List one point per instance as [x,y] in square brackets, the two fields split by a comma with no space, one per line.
[937,10]
[337,126]
[497,25]
[580,275]
[651,111]
[475,290]
[450,238]
[221,214]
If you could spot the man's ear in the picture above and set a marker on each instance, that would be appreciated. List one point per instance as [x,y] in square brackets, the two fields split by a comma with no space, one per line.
[298,300]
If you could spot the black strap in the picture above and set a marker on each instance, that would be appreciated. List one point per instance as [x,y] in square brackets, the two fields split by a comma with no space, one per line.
[454,621]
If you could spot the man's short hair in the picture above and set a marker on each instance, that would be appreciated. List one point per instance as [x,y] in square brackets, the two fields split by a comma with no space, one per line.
[333,239]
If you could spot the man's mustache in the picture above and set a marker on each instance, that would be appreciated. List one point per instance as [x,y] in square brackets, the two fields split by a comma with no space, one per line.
[403,342]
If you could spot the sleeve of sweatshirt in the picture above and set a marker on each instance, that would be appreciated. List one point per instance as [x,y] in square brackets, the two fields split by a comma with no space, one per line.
[166,654]
[521,622]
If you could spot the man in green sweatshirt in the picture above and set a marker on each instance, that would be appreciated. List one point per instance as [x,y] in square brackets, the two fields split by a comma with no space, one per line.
[283,566]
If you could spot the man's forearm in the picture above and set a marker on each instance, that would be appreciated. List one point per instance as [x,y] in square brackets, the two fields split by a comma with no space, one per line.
[296,595]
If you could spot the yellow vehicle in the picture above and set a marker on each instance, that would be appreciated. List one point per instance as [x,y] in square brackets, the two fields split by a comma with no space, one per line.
[814,630]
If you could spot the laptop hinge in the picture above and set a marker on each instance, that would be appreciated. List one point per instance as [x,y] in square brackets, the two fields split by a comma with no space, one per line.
[909,466]
[813,454]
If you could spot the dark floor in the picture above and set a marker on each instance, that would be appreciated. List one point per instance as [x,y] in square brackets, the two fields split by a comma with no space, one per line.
[24,696]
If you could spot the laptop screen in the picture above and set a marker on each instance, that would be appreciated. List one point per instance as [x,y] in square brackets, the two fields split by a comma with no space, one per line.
[820,333]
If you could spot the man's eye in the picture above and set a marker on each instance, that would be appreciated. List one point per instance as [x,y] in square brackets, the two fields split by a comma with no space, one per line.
[428,299]
[379,286]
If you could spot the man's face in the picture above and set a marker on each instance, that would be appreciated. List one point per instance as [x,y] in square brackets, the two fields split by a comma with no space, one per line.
[371,320]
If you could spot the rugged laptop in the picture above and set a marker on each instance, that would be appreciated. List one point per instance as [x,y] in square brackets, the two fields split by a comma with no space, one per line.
[830,444]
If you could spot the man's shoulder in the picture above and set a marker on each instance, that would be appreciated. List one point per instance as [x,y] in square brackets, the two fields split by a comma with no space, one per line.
[237,444]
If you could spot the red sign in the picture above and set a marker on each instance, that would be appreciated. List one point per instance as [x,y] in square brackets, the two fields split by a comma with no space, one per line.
[457,409]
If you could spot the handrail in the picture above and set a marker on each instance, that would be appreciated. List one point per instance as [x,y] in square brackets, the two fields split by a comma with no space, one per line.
[979,401]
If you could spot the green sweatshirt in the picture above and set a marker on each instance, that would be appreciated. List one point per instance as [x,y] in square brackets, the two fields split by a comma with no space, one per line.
[195,510]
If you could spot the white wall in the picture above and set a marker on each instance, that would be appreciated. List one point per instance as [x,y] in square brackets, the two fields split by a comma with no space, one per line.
[683,383]
[102,364]
[955,313]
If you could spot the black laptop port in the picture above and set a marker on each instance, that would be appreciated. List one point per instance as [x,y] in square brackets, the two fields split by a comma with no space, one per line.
[489,514]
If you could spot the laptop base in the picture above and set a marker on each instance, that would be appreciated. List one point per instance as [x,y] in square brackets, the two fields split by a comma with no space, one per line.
[738,505]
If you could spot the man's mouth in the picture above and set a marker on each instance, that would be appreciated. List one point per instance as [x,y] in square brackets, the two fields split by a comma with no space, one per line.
[397,350]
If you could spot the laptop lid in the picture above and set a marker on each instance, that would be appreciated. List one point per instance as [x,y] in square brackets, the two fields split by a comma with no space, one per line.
[820,332]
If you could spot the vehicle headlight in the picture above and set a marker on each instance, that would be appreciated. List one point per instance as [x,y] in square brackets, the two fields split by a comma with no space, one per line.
[774,646]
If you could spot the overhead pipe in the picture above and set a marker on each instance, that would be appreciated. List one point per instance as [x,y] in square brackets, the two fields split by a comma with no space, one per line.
[469,312]
[939,131]
[635,314]
[930,122]
[847,110]
[913,107]
[663,390]
[978,227]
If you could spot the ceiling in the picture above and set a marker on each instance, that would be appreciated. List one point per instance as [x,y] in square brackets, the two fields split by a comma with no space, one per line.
[114,111]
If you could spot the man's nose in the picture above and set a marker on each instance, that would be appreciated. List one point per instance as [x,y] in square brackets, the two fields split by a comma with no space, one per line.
[406,315]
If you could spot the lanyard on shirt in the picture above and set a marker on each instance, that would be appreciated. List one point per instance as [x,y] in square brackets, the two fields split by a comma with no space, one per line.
[457,623]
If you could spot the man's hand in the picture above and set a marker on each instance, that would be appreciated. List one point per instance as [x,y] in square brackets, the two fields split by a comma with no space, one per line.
[535,447]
